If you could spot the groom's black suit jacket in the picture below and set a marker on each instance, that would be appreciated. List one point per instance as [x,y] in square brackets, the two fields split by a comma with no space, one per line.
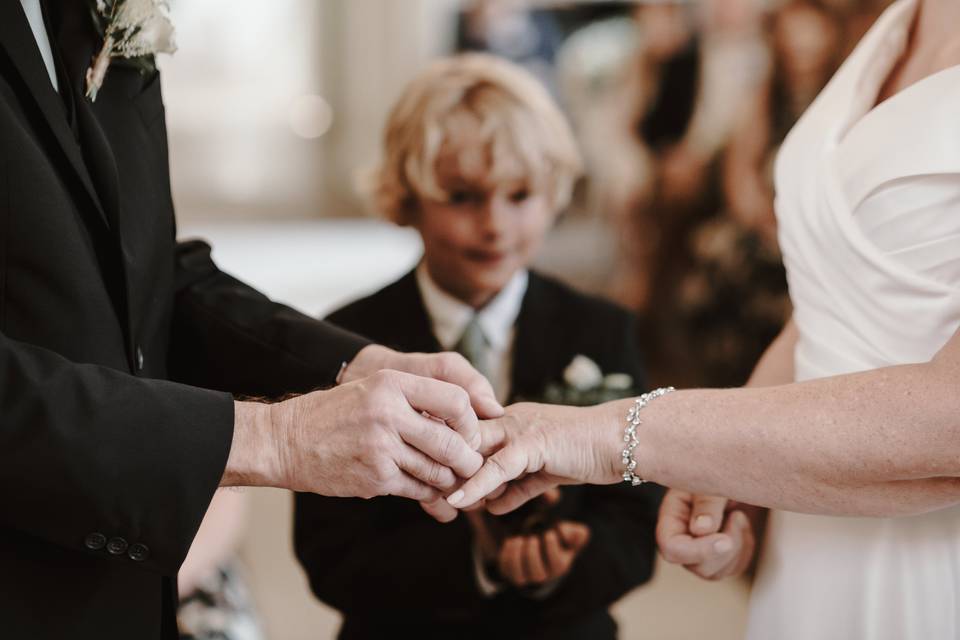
[395,572]
[106,465]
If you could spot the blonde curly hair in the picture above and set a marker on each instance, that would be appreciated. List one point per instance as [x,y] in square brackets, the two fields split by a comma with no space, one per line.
[500,106]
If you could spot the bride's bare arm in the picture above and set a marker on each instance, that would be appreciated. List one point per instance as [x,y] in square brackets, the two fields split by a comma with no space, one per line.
[711,536]
[881,442]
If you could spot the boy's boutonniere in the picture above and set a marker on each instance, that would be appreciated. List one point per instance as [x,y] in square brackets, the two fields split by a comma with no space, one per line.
[584,384]
[132,30]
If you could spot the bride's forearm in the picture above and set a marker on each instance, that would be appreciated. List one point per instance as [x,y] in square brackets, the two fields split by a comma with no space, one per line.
[883,442]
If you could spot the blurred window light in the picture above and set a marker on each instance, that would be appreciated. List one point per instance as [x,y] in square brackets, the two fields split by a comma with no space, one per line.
[310,117]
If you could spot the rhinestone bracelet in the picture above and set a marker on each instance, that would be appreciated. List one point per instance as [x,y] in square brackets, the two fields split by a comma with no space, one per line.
[630,433]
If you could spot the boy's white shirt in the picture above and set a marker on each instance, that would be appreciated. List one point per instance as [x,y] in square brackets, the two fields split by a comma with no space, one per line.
[35,17]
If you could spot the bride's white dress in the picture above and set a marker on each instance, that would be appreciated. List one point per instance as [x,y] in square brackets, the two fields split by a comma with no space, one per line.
[868,203]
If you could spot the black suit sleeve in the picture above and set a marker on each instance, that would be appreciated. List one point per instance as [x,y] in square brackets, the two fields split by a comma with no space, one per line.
[85,448]
[351,548]
[230,337]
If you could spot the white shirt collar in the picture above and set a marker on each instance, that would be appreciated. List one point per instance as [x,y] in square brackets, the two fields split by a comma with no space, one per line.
[449,316]
[35,17]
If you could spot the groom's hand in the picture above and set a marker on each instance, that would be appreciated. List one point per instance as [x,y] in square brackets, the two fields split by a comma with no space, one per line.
[391,433]
[712,537]
[449,367]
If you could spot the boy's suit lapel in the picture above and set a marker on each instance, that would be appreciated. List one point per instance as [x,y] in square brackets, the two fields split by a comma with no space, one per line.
[537,359]
[410,326]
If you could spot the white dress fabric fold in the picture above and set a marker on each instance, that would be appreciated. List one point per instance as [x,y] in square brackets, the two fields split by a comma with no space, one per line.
[868,206]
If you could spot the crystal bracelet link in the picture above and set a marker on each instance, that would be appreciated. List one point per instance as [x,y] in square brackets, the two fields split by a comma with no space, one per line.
[630,433]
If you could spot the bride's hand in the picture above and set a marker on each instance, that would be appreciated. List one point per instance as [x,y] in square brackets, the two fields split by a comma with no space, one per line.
[536,447]
[712,537]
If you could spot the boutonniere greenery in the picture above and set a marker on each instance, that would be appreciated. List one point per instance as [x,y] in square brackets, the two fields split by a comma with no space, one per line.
[133,32]
[584,384]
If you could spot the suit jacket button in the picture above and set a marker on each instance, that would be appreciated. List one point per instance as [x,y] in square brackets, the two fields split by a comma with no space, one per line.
[138,552]
[95,541]
[139,359]
[116,546]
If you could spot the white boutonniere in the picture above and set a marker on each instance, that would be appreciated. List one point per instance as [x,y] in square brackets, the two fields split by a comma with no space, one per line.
[133,31]
[582,373]
[585,384]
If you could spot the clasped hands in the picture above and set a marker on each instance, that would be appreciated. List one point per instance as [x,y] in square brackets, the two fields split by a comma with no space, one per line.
[428,427]
[409,425]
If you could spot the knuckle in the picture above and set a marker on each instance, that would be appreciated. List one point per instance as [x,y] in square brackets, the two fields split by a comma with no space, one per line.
[386,441]
[420,492]
[375,443]
[365,443]
[461,399]
[385,378]
[497,465]
[435,473]
[383,472]
[671,555]
[370,414]
[447,445]
[710,503]
[450,362]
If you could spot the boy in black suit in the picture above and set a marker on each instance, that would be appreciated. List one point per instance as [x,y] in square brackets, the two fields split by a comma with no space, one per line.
[479,160]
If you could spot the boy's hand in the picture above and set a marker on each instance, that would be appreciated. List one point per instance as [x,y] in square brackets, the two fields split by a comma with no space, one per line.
[526,561]
[712,537]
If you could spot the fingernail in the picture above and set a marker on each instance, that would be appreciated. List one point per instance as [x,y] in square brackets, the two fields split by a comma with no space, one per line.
[722,546]
[475,443]
[455,498]
[704,522]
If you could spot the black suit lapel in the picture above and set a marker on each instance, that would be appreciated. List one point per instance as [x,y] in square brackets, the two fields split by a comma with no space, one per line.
[410,324]
[73,42]
[76,40]
[539,332]
[18,42]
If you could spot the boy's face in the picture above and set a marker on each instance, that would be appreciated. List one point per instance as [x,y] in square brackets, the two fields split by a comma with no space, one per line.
[488,228]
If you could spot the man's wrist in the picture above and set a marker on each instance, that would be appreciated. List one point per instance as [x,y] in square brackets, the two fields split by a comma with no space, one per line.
[254,452]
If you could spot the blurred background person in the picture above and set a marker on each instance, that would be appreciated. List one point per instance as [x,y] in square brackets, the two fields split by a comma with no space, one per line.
[721,295]
[717,289]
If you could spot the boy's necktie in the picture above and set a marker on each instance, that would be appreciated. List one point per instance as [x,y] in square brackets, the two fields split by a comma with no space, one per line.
[474,346]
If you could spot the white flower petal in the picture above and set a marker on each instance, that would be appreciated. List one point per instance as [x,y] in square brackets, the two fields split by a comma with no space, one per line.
[583,373]
[157,35]
[618,381]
